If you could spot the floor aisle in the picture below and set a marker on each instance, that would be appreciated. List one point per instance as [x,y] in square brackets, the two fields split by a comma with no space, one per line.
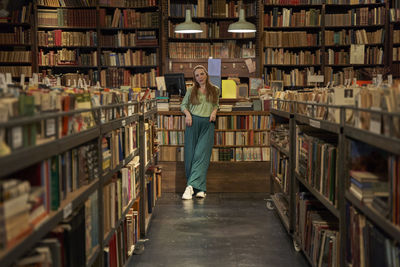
[221,230]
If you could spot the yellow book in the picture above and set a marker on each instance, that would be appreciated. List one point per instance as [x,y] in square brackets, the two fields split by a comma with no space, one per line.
[229,89]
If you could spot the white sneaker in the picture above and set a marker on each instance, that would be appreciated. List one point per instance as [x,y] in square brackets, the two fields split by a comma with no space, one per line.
[201,194]
[188,193]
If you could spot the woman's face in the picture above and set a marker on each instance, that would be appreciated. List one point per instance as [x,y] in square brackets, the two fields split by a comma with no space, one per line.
[200,76]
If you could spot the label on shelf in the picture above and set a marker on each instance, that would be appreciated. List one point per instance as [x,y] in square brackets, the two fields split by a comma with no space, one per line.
[315,124]
[67,211]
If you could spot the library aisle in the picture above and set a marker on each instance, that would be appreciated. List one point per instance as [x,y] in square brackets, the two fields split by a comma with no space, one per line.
[225,229]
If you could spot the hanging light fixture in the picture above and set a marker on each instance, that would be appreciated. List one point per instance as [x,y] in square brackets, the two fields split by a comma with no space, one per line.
[188,26]
[242,25]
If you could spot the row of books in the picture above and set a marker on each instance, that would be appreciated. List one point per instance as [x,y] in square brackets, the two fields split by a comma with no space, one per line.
[22,15]
[353,2]
[317,230]
[169,122]
[218,8]
[67,3]
[123,240]
[280,56]
[280,169]
[394,14]
[122,189]
[116,77]
[294,77]
[66,57]
[291,39]
[128,18]
[171,137]
[372,55]
[19,35]
[128,3]
[288,18]
[227,49]
[316,158]
[129,58]
[246,122]
[344,37]
[15,56]
[248,138]
[119,40]
[210,30]
[396,36]
[67,17]
[17,71]
[65,38]
[118,145]
[357,17]
[241,154]
[70,243]
[396,54]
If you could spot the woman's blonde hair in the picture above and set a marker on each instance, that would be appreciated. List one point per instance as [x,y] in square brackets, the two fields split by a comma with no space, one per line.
[211,91]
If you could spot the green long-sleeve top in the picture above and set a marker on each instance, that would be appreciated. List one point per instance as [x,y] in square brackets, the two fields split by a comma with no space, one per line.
[203,109]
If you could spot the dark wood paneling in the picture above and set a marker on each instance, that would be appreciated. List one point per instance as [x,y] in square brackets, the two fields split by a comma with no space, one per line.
[221,177]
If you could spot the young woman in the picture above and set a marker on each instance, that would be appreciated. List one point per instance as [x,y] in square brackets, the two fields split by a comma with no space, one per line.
[200,106]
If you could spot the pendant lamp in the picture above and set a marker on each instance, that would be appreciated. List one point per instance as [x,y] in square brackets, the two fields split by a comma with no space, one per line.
[188,26]
[242,25]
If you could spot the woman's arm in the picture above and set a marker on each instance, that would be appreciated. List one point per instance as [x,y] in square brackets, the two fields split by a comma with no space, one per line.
[185,108]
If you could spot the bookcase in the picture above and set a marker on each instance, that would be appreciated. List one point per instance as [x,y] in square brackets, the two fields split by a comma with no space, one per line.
[394,42]
[240,152]
[184,51]
[16,43]
[324,205]
[337,39]
[85,184]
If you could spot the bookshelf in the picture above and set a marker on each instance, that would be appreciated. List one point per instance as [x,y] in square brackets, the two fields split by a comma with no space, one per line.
[16,43]
[79,195]
[356,222]
[241,146]
[184,51]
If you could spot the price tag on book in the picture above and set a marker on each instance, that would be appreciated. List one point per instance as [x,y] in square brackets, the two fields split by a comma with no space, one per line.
[16,134]
[123,162]
[50,127]
[315,124]
[123,122]
[67,211]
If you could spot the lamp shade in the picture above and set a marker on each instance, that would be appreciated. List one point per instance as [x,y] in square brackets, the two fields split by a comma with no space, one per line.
[242,25]
[188,26]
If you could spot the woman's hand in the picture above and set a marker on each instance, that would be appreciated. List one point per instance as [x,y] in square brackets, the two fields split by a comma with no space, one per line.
[213,115]
[188,119]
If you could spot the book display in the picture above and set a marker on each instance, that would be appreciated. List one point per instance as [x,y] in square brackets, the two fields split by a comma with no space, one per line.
[72,179]
[344,173]
[334,41]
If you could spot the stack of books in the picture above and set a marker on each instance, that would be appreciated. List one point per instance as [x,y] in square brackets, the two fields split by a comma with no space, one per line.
[225,108]
[243,106]
[175,102]
[365,186]
[162,103]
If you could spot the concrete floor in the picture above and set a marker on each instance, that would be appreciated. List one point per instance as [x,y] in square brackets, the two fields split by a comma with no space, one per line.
[222,230]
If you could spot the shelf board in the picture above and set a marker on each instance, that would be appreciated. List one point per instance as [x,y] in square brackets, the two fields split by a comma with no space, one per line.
[130,47]
[294,5]
[70,67]
[356,26]
[112,231]
[67,7]
[149,114]
[348,45]
[93,257]
[128,29]
[317,123]
[233,146]
[373,215]
[292,65]
[94,47]
[341,6]
[353,65]
[294,47]
[67,27]
[118,123]
[214,18]
[319,196]
[11,45]
[280,113]
[389,144]
[130,67]
[279,148]
[207,40]
[124,7]
[15,63]
[110,173]
[22,158]
[75,199]
[274,28]
[279,209]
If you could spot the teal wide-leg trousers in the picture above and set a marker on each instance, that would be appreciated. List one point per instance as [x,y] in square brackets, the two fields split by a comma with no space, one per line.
[199,140]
